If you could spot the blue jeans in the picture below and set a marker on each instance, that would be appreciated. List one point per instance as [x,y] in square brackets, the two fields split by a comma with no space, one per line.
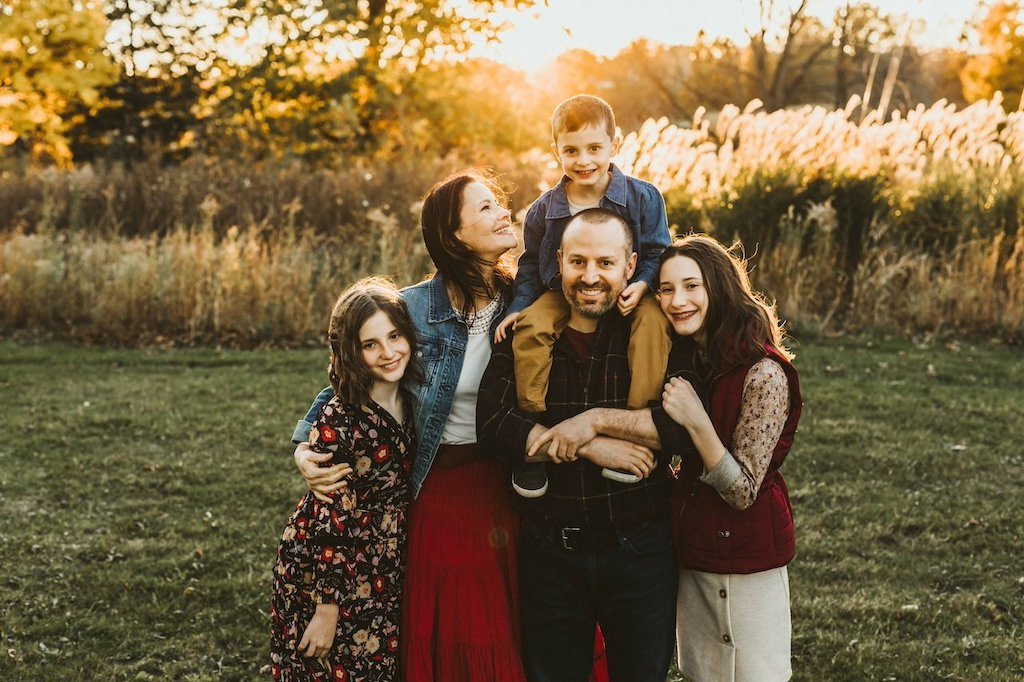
[629,590]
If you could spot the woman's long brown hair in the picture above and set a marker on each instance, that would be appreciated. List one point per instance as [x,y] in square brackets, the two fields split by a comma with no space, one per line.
[458,264]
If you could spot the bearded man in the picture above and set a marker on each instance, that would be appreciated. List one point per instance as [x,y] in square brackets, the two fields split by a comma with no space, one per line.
[592,551]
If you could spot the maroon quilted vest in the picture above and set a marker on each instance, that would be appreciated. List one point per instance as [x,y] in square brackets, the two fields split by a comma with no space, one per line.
[710,535]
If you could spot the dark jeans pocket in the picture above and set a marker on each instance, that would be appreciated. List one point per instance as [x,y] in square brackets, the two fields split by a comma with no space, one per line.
[653,538]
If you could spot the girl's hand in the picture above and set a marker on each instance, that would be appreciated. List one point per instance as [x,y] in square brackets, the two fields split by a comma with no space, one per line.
[319,635]
[682,403]
[321,480]
[506,325]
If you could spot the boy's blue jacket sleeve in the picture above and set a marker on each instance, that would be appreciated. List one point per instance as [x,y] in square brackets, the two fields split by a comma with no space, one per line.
[654,236]
[304,425]
[528,286]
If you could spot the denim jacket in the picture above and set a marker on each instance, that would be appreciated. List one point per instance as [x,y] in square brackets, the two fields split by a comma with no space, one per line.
[639,202]
[442,339]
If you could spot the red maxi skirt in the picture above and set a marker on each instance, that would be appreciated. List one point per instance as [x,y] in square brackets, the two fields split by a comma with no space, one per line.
[460,614]
[460,610]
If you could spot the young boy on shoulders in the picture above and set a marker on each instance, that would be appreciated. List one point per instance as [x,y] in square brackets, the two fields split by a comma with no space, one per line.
[585,139]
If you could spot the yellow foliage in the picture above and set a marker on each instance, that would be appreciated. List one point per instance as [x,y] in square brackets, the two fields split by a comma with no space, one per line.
[51,55]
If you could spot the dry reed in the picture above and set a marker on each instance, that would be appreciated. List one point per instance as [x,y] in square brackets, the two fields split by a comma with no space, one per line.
[910,225]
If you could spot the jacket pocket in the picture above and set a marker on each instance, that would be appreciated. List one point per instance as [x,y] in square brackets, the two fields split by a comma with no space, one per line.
[431,353]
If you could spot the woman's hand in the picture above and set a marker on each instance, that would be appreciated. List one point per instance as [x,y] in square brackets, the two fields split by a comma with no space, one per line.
[321,480]
[505,326]
[319,635]
[682,404]
[563,441]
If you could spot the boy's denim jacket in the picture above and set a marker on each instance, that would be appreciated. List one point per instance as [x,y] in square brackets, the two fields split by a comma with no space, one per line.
[639,202]
[442,339]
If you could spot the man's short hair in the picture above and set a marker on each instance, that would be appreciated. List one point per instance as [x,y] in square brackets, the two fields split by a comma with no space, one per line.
[581,111]
[599,216]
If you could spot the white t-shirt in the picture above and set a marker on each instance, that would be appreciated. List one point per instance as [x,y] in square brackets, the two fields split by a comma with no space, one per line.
[460,429]
[576,208]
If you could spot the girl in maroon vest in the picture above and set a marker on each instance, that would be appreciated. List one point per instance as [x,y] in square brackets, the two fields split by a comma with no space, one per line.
[731,512]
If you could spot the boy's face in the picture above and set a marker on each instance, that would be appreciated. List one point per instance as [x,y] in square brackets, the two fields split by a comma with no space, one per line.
[585,154]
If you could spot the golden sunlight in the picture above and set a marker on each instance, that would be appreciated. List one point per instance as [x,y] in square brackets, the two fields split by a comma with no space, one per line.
[604,27]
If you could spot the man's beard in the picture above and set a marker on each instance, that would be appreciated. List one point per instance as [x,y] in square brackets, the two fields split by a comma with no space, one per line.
[594,310]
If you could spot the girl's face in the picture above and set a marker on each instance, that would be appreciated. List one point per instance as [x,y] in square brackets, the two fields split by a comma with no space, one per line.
[385,351]
[682,295]
[485,226]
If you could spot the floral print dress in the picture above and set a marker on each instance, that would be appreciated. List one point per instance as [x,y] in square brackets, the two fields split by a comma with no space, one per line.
[350,552]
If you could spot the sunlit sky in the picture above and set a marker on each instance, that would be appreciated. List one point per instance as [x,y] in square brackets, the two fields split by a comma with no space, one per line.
[604,27]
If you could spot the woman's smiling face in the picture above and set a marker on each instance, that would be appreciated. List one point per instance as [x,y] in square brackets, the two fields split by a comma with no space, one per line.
[485,226]
[682,295]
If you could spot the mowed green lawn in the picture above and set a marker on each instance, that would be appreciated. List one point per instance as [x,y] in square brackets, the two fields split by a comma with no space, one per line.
[142,494]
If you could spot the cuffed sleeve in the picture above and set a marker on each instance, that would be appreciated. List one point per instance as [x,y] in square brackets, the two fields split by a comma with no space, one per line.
[304,425]
[725,473]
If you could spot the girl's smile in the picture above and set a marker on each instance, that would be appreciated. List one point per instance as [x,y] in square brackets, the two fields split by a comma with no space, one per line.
[682,295]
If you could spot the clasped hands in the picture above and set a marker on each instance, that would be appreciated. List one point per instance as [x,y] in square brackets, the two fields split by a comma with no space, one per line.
[579,437]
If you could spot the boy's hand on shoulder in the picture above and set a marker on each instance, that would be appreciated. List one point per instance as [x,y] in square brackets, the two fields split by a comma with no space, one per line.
[630,297]
[506,325]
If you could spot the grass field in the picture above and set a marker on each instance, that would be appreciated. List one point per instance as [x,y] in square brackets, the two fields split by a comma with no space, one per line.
[142,494]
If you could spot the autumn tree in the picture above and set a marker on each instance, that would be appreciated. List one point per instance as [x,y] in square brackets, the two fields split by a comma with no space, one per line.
[51,57]
[862,35]
[164,49]
[271,79]
[1001,66]
[476,105]
[336,74]
[784,62]
[642,82]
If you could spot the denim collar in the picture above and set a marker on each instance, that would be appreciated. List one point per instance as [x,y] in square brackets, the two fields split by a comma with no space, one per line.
[440,306]
[616,193]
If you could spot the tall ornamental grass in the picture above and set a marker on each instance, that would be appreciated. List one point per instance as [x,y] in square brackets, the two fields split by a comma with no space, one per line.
[909,225]
[248,288]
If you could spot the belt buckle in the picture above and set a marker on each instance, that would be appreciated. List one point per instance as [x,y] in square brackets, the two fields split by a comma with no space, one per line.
[566,540]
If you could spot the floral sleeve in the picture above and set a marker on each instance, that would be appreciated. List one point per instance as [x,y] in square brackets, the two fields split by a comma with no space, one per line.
[763,413]
[332,433]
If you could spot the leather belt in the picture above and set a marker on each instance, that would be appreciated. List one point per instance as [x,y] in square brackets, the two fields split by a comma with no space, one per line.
[577,539]
[449,456]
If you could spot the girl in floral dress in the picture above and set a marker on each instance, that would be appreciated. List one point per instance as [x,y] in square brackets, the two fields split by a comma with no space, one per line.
[337,582]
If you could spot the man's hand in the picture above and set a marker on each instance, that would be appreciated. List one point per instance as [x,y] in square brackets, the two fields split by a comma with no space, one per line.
[509,323]
[622,455]
[564,440]
[321,480]
[319,635]
[630,297]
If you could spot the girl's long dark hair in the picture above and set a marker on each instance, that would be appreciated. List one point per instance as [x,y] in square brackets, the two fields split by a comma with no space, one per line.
[461,267]
[349,376]
[738,321]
